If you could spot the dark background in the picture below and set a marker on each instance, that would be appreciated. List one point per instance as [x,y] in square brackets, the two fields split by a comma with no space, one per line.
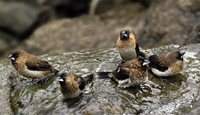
[52,26]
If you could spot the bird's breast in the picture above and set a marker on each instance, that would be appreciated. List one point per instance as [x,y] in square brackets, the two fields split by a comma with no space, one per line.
[127,53]
[69,94]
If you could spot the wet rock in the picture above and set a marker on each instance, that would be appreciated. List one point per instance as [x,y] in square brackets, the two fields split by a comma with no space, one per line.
[176,95]
[5,88]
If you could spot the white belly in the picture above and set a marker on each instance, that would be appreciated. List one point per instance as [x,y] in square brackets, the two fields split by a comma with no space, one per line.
[32,74]
[127,53]
[162,74]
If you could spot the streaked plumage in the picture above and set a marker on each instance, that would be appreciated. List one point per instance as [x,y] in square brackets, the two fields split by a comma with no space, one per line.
[166,64]
[131,73]
[127,46]
[31,66]
[71,85]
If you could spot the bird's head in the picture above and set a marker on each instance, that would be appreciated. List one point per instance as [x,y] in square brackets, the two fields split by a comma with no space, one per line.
[61,79]
[181,54]
[176,55]
[143,61]
[16,54]
[124,34]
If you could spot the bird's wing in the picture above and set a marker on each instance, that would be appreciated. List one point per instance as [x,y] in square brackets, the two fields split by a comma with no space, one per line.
[121,74]
[139,53]
[37,65]
[81,83]
[159,62]
[126,64]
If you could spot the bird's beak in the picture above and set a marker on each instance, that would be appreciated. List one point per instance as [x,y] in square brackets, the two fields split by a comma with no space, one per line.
[11,58]
[60,80]
[125,35]
[146,62]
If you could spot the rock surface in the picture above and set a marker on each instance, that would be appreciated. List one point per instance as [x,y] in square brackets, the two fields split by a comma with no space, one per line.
[194,36]
[155,23]
[5,89]
[168,22]
[6,43]
[73,34]
[16,18]
[160,23]
[176,95]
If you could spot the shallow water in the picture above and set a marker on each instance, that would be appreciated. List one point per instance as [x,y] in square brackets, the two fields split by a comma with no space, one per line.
[176,95]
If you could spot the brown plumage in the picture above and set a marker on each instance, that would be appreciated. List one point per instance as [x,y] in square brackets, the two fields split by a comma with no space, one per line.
[166,64]
[31,66]
[131,73]
[126,42]
[127,45]
[72,85]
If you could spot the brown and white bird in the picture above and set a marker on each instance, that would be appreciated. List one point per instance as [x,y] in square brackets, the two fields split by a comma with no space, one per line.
[127,46]
[31,66]
[166,64]
[131,73]
[71,86]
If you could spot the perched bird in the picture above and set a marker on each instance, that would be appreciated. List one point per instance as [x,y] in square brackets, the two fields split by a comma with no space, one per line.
[127,46]
[131,73]
[166,64]
[71,85]
[31,66]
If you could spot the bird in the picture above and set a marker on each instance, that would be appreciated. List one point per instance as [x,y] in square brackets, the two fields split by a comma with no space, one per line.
[31,66]
[166,64]
[71,85]
[127,45]
[131,73]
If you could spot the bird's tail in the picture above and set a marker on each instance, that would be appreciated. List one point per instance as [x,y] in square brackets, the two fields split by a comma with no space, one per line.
[115,75]
[104,75]
[88,77]
[55,71]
